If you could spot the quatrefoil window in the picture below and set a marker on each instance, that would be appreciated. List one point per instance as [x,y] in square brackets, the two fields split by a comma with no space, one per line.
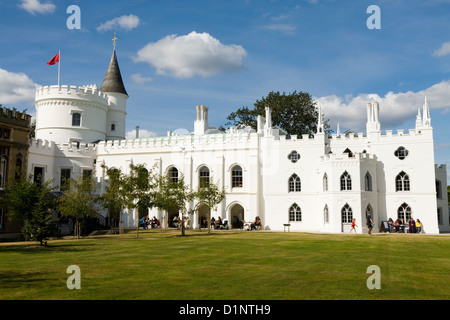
[294,156]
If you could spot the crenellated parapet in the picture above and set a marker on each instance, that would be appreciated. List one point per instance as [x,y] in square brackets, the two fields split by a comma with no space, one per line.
[14,117]
[181,143]
[65,94]
[39,146]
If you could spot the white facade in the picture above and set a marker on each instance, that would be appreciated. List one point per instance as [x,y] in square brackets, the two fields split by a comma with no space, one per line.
[312,183]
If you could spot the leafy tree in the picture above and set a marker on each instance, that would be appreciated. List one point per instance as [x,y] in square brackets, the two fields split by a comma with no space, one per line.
[137,189]
[295,113]
[32,203]
[170,195]
[114,199]
[210,195]
[78,201]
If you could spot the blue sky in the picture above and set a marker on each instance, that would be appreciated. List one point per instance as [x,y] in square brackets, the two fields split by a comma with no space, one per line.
[175,55]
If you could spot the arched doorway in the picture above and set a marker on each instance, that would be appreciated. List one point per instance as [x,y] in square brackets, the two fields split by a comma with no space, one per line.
[237,216]
[202,216]
[173,213]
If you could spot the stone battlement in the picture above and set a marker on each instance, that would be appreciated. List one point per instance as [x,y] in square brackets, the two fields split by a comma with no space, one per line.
[45,146]
[220,140]
[89,93]
[14,117]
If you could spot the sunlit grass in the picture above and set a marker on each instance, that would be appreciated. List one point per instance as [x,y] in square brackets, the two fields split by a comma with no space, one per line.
[229,265]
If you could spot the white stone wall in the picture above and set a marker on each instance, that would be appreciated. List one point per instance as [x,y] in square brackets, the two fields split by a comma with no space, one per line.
[263,156]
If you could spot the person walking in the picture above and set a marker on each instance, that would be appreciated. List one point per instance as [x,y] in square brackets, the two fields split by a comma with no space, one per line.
[353,226]
[369,223]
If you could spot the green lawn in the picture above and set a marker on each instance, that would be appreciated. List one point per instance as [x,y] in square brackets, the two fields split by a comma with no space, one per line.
[229,265]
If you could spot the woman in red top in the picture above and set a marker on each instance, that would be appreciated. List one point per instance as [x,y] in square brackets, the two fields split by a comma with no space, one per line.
[353,225]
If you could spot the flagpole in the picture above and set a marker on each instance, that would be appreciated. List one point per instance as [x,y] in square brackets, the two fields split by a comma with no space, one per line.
[59,66]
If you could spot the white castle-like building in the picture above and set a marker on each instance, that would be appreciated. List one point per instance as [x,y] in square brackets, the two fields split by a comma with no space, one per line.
[315,184]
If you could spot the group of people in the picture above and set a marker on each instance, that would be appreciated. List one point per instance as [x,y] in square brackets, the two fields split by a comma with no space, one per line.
[414,226]
[219,223]
[145,222]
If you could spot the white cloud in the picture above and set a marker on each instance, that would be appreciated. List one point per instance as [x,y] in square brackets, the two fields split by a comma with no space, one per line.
[16,87]
[139,79]
[395,108]
[124,22]
[443,50]
[142,134]
[35,6]
[190,55]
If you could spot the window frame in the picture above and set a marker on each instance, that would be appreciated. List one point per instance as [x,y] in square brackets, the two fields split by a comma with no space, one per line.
[406,212]
[75,121]
[294,183]
[204,176]
[346,214]
[402,182]
[346,181]
[237,176]
[173,178]
[295,213]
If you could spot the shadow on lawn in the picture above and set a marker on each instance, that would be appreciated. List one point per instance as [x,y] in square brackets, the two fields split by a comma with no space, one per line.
[50,248]
[12,279]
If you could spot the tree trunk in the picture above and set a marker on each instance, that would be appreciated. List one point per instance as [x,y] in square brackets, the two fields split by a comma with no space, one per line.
[208,223]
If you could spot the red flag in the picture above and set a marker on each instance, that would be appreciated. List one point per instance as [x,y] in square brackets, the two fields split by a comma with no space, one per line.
[54,60]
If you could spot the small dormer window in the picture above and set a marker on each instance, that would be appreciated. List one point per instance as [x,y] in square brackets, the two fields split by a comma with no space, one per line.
[76,119]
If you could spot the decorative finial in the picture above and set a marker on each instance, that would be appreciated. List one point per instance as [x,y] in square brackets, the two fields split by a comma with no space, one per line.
[114,41]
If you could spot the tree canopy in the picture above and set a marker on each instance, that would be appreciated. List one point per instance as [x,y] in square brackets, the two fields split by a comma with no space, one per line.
[296,113]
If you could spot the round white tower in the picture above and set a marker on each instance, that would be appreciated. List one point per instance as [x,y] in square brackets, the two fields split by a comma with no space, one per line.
[70,114]
[85,114]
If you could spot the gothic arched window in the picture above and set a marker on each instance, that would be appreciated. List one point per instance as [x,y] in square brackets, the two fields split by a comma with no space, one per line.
[236,177]
[173,174]
[325,182]
[203,176]
[347,214]
[295,213]
[346,181]
[404,212]
[368,182]
[402,182]
[295,183]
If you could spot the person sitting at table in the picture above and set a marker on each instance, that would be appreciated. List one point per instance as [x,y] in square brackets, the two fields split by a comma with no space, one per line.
[175,222]
[390,225]
[397,225]
[402,225]
[256,223]
[153,222]
[218,223]
[418,226]
[141,223]
[412,226]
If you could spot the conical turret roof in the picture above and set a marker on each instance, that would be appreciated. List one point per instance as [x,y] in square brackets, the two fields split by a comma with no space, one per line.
[113,79]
